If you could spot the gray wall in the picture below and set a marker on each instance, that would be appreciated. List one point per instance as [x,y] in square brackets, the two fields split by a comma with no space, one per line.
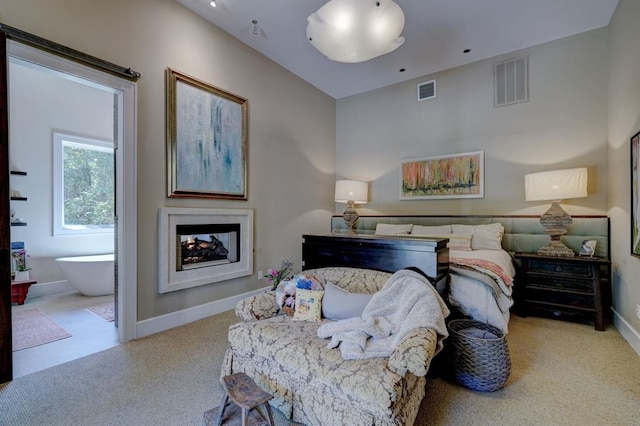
[624,122]
[291,126]
[563,125]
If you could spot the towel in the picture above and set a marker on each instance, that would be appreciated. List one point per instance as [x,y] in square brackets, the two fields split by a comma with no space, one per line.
[406,302]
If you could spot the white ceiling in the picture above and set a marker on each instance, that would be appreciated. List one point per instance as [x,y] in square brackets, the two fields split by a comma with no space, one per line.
[436,33]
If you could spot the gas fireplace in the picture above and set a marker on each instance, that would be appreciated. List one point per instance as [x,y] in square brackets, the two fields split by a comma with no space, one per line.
[203,246]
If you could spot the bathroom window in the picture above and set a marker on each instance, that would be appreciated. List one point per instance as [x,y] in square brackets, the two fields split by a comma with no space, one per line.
[83,190]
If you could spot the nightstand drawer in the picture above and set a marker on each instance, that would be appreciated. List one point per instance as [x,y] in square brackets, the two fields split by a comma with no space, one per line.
[559,298]
[559,312]
[559,268]
[560,282]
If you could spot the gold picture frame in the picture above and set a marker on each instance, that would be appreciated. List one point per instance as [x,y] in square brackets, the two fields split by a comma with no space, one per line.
[207,140]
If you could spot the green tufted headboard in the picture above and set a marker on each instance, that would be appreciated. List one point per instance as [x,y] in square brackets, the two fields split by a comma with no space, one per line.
[521,233]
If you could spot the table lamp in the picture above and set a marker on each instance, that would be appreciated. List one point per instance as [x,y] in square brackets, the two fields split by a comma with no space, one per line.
[555,186]
[351,192]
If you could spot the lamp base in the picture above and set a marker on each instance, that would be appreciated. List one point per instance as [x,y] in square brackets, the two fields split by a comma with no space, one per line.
[350,217]
[555,222]
[556,248]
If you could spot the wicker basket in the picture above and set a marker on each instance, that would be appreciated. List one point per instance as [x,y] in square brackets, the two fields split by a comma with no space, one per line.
[479,355]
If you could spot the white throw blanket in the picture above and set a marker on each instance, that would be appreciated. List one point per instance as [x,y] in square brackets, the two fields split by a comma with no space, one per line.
[406,302]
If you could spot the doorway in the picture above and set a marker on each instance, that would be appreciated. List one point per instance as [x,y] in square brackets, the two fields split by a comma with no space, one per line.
[123,94]
[66,210]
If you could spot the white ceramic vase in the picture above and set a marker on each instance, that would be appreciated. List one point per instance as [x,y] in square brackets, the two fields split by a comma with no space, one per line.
[21,276]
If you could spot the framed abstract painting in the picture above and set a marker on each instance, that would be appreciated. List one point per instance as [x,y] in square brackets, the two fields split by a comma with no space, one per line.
[445,176]
[635,195]
[207,141]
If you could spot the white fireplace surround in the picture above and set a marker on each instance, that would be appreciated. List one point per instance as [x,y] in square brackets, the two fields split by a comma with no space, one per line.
[170,217]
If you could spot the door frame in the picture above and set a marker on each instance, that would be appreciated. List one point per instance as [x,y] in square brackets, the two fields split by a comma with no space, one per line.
[126,181]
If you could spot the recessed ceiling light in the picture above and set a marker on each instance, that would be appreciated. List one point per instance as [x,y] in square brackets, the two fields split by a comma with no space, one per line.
[466,51]
[213,3]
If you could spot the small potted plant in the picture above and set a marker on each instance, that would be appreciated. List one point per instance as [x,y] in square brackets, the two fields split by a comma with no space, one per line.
[19,263]
[274,276]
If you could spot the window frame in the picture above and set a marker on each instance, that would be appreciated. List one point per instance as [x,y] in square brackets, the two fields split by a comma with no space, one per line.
[60,140]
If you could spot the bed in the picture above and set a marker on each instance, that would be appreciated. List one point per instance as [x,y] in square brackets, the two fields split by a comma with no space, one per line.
[481,272]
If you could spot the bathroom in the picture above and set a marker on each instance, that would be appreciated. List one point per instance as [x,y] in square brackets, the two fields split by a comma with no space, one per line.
[53,117]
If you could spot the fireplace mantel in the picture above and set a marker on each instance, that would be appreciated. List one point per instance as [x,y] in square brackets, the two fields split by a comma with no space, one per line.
[171,275]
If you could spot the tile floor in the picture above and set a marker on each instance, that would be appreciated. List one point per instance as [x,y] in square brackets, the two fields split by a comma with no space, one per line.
[89,332]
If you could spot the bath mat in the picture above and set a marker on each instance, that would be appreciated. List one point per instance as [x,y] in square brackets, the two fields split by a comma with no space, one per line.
[33,328]
[103,310]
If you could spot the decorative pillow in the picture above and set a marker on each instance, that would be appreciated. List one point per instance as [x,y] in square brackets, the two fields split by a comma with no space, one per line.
[487,237]
[391,229]
[338,303]
[431,230]
[456,241]
[286,291]
[308,305]
[460,241]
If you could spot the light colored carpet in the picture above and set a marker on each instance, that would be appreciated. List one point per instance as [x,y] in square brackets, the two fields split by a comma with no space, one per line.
[103,310]
[563,374]
[33,328]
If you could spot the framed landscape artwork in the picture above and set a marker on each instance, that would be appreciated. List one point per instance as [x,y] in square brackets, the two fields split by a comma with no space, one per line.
[635,196]
[206,140]
[446,176]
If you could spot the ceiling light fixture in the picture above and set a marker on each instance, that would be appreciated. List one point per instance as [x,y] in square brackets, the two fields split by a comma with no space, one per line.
[354,31]
[213,3]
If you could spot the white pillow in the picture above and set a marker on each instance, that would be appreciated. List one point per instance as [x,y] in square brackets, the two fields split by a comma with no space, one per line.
[338,303]
[459,241]
[390,229]
[485,237]
[431,230]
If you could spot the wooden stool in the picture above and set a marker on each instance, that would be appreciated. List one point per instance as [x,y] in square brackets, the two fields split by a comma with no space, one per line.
[244,392]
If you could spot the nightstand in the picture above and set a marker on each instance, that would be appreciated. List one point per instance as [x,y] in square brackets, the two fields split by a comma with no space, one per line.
[564,287]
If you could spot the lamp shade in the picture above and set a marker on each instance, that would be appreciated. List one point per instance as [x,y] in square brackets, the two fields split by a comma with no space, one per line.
[556,185]
[351,190]
[356,30]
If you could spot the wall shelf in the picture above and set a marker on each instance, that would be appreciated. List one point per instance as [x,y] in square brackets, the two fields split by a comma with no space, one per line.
[19,173]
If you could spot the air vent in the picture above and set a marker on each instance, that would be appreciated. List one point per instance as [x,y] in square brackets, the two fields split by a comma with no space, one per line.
[426,90]
[511,81]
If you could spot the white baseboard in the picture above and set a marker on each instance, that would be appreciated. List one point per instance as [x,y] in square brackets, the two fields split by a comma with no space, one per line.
[629,333]
[47,289]
[185,316]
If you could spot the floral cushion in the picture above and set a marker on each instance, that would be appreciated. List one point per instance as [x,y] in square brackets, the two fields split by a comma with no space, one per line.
[354,280]
[286,291]
[308,305]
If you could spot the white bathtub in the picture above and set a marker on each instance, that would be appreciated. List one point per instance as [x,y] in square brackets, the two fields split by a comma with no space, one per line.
[90,275]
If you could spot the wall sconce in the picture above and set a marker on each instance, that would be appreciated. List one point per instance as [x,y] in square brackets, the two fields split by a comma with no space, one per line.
[351,192]
[555,186]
